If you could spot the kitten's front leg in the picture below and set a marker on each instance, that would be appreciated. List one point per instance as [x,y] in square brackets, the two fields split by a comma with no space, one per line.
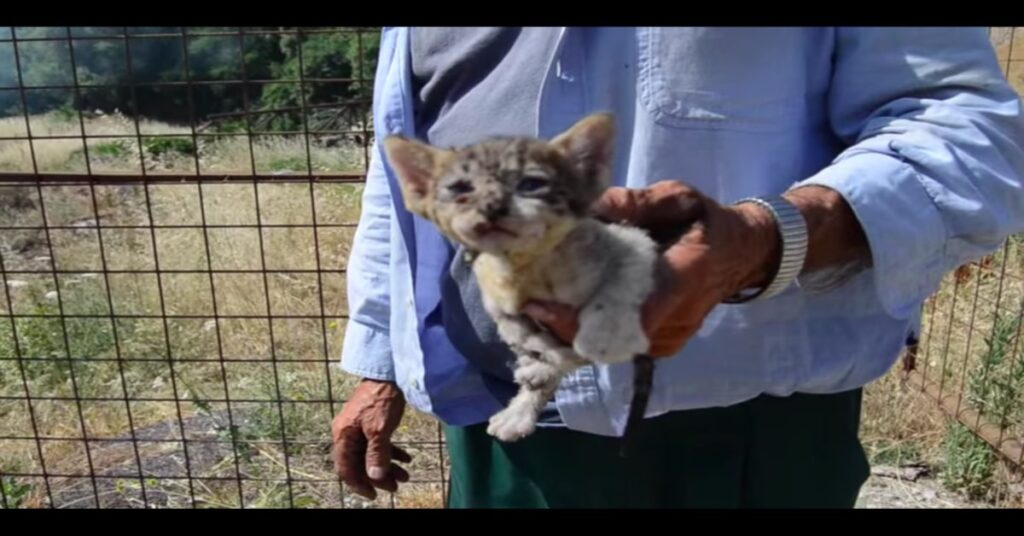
[542,357]
[541,365]
[519,418]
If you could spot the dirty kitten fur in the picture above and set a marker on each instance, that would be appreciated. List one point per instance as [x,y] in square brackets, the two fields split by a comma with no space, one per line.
[521,206]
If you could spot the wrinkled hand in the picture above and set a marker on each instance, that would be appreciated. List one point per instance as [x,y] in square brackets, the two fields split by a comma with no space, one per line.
[713,252]
[361,433]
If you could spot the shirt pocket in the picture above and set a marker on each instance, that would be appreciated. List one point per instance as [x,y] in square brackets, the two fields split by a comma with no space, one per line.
[752,79]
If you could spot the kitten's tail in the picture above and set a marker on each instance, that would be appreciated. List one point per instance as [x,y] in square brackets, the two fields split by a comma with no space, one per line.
[643,381]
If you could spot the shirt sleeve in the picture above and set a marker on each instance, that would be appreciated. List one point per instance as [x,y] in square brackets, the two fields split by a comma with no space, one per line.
[934,167]
[366,351]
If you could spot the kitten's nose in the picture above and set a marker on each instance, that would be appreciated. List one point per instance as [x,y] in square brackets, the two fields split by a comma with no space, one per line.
[495,210]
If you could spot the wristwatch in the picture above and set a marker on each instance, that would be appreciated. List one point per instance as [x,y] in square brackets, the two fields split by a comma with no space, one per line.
[793,230]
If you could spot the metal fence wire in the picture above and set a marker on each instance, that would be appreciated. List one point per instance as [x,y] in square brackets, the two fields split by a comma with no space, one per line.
[176,209]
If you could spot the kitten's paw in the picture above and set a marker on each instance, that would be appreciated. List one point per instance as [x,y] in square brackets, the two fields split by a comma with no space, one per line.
[610,344]
[512,423]
[536,375]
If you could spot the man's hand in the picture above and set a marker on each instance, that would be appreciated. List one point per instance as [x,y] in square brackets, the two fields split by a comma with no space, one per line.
[713,252]
[361,434]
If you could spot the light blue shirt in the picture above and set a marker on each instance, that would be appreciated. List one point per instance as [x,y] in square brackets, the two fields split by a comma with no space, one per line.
[916,128]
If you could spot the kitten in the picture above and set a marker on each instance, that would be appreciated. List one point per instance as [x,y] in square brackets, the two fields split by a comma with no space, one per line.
[521,205]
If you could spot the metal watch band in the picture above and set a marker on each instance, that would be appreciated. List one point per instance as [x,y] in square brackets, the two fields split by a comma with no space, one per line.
[793,230]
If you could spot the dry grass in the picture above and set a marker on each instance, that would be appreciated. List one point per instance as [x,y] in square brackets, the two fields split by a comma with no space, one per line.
[297,363]
[970,348]
[118,150]
[899,425]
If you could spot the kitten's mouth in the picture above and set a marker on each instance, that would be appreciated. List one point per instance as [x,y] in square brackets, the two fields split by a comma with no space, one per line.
[487,228]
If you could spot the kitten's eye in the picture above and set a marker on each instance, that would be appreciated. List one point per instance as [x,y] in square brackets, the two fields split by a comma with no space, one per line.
[529,185]
[460,187]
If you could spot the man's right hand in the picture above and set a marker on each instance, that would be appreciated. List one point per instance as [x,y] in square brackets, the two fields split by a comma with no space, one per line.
[361,434]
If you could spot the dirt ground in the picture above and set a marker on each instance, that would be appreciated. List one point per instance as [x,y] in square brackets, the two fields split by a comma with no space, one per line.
[913,487]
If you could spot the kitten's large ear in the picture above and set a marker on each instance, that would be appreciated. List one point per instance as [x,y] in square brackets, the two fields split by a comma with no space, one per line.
[417,166]
[589,145]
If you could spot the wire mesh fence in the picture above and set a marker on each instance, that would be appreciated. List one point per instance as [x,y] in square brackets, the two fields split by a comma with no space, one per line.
[176,210]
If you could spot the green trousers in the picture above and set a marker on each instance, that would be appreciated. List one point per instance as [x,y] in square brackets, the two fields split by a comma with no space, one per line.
[801,451]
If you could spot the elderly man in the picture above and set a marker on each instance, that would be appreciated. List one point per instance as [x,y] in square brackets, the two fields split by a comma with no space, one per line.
[819,182]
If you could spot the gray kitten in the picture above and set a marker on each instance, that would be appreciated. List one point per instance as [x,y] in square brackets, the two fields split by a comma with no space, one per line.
[522,206]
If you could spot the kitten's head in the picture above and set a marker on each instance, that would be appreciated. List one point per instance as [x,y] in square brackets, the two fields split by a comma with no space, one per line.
[508,194]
